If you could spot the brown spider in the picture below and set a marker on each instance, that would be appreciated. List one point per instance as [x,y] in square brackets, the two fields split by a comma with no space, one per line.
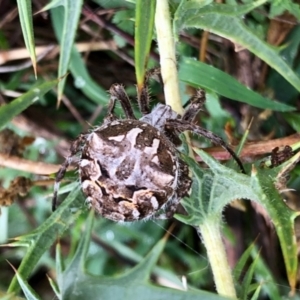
[130,169]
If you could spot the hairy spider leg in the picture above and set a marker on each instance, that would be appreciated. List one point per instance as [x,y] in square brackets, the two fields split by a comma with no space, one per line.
[181,126]
[196,103]
[75,146]
[117,92]
[110,111]
[143,96]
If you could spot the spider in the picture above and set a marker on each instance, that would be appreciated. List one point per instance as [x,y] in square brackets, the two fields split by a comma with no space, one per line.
[130,169]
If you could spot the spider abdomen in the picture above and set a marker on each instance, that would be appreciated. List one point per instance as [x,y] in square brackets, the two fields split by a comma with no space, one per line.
[128,170]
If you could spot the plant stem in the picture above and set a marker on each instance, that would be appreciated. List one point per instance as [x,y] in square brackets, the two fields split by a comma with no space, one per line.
[168,65]
[211,230]
[166,47]
[211,235]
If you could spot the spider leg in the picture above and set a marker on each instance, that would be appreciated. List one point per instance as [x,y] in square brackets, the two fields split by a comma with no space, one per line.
[117,92]
[181,126]
[75,146]
[196,104]
[58,178]
[110,110]
[143,96]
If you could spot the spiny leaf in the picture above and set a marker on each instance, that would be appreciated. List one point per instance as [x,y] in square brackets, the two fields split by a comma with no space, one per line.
[28,291]
[193,7]
[75,283]
[216,187]
[44,236]
[281,6]
[216,18]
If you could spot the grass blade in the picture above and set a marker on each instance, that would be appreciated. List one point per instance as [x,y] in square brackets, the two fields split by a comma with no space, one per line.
[8,111]
[144,22]
[25,15]
[72,11]
[199,74]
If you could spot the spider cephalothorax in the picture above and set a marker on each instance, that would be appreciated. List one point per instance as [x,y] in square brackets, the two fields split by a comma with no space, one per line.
[130,169]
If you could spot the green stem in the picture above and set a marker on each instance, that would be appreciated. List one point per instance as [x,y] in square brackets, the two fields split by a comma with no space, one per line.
[168,65]
[210,231]
[166,47]
[211,234]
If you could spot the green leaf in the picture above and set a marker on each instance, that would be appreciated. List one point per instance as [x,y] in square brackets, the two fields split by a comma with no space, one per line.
[216,18]
[281,88]
[6,296]
[52,4]
[12,109]
[71,13]
[124,20]
[216,187]
[25,15]
[54,287]
[199,74]
[192,7]
[293,119]
[28,291]
[281,6]
[239,267]
[248,279]
[44,236]
[83,80]
[144,21]
[257,292]
[74,283]
[264,275]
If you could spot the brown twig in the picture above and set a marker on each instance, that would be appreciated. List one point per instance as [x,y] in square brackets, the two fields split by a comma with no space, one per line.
[254,149]
[21,164]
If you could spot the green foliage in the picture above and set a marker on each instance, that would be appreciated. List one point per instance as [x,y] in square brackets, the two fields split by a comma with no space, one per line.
[70,18]
[199,74]
[25,13]
[75,283]
[226,21]
[92,270]
[278,7]
[215,188]
[265,277]
[83,81]
[8,111]
[144,21]
[29,293]
[39,240]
